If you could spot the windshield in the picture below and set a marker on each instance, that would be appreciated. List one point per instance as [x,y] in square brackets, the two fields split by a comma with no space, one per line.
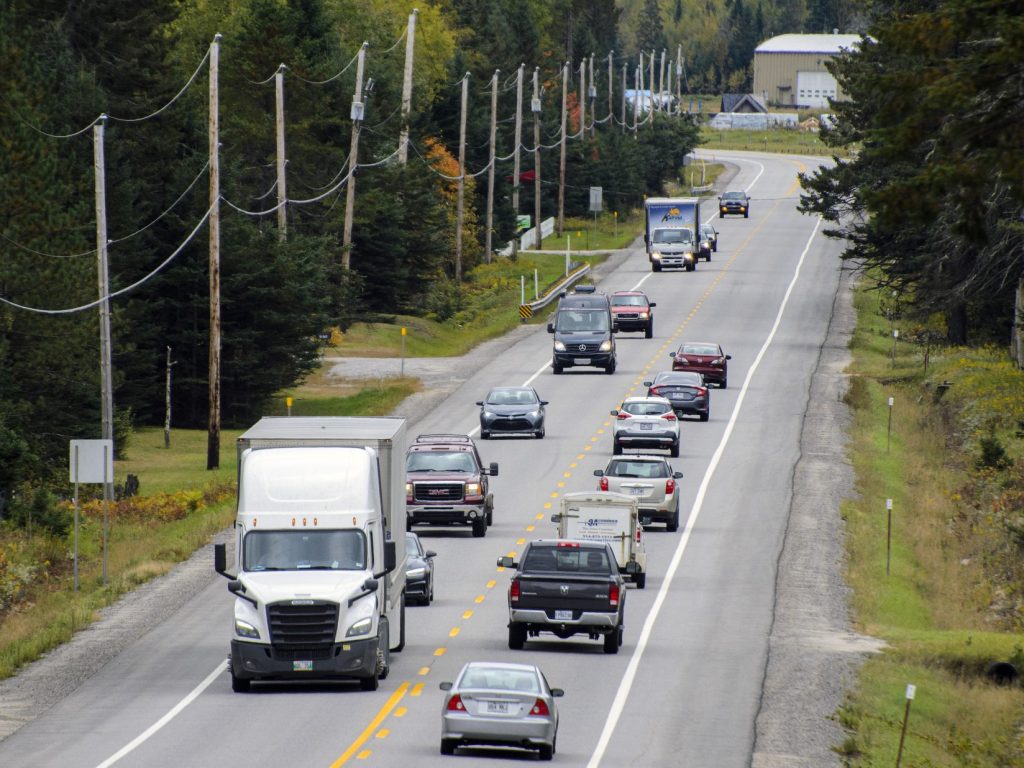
[734,196]
[589,320]
[304,550]
[440,461]
[673,236]
[511,397]
[629,301]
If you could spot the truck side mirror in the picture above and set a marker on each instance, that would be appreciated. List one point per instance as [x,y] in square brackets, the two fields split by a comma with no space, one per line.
[220,560]
[551,327]
[493,469]
[236,588]
[390,556]
[370,585]
[653,304]
[556,518]
[506,562]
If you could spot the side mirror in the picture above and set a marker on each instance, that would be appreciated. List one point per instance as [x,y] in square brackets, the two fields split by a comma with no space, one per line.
[614,412]
[551,327]
[653,304]
[446,686]
[677,475]
[728,357]
[390,557]
[648,383]
[220,560]
[431,553]
[236,588]
[480,403]
[557,693]
[371,584]
[545,402]
[672,355]
[493,469]
[598,473]
[556,518]
[506,562]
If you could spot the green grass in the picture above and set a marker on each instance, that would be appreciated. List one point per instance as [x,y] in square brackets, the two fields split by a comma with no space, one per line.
[608,232]
[950,560]
[783,140]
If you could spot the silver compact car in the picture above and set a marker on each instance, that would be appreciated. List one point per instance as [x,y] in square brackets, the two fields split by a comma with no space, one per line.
[648,479]
[512,411]
[645,422]
[499,704]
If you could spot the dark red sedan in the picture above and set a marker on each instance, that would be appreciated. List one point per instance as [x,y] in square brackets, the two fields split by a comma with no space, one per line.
[706,359]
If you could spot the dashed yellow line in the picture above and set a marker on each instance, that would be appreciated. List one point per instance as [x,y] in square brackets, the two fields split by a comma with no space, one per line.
[453,632]
[491,583]
[381,715]
[479,599]
[467,614]
[424,671]
[440,651]
[416,689]
[383,733]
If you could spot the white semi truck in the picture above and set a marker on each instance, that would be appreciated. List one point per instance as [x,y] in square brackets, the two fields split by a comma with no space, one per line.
[319,566]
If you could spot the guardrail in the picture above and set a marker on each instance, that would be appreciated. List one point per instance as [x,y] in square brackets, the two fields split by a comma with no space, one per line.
[527,311]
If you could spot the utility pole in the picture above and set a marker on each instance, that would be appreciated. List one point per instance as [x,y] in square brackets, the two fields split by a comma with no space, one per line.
[462,181]
[167,402]
[515,159]
[490,171]
[679,76]
[282,189]
[611,95]
[582,97]
[653,58]
[213,425]
[623,97]
[661,80]
[353,160]
[561,159]
[592,93]
[637,84]
[535,108]
[410,45]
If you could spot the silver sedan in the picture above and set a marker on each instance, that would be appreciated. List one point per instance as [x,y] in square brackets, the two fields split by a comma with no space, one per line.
[492,703]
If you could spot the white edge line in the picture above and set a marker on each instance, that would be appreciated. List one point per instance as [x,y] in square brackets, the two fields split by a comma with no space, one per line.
[189,698]
[634,662]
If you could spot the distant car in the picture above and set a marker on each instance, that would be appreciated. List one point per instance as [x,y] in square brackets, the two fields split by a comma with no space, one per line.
[512,411]
[708,241]
[508,705]
[705,358]
[649,479]
[419,571]
[645,422]
[633,311]
[734,201]
[685,390]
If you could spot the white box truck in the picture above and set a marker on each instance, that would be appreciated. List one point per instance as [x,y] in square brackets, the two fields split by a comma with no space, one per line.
[672,232]
[609,517]
[319,571]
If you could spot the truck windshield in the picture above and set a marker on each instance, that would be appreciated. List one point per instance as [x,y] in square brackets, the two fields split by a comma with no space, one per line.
[587,320]
[304,550]
[440,461]
[673,236]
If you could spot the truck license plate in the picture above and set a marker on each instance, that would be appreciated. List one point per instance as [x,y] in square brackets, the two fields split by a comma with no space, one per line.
[637,491]
[497,707]
[563,615]
[303,665]
[581,361]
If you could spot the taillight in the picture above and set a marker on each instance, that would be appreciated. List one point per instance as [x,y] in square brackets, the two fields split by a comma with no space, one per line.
[455,704]
[670,486]
[540,708]
[513,591]
[604,483]
[622,415]
[655,391]
[613,595]
[670,416]
[638,532]
[702,391]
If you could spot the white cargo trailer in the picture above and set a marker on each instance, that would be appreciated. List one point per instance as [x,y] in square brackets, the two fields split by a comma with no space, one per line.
[609,517]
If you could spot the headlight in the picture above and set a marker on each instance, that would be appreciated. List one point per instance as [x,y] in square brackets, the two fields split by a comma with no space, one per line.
[245,629]
[361,627]
[643,315]
[416,573]
[533,415]
[408,490]
[559,346]
[655,255]
[606,346]
[472,489]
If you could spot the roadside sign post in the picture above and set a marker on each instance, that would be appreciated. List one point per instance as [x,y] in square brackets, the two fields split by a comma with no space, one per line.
[402,365]
[522,289]
[536,286]
[615,216]
[568,248]
[888,534]
[888,429]
[92,461]
[288,405]
[895,336]
[911,690]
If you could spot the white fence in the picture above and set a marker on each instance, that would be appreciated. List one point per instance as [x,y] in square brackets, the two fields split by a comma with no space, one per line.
[529,238]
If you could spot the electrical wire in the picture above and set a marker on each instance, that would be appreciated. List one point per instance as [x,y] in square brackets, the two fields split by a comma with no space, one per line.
[334,77]
[177,96]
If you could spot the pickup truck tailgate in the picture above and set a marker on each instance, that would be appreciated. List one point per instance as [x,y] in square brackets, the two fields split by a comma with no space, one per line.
[570,595]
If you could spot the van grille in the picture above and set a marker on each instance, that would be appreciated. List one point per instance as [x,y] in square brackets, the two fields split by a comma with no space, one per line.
[300,627]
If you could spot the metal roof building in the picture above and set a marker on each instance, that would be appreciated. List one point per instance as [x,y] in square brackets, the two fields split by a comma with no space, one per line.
[789,70]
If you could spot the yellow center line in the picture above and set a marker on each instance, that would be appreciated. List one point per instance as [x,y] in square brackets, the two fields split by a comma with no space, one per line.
[381,715]
[424,671]
[467,614]
[416,689]
[383,733]
[479,599]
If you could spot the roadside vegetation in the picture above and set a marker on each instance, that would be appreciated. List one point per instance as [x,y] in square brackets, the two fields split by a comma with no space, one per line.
[788,141]
[953,601]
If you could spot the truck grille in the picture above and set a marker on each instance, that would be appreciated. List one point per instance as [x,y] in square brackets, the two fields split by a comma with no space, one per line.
[302,627]
[579,349]
[445,492]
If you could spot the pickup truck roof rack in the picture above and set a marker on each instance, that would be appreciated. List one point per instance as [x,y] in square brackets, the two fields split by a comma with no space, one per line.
[443,438]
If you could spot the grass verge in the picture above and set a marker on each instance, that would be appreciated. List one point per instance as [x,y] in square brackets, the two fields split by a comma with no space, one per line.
[947,607]
[782,140]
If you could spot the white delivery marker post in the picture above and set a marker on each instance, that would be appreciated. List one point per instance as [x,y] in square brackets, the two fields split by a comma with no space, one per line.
[91,461]
[911,690]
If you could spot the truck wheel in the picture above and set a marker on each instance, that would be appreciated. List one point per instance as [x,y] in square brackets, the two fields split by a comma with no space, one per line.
[516,636]
[725,383]
[655,267]
[480,527]
[641,580]
[240,684]
[556,369]
[371,683]
[672,524]
[485,435]
[489,515]
[649,330]
[448,746]
[610,368]
[611,641]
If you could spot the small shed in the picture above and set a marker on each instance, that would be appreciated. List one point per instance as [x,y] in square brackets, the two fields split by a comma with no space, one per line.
[746,103]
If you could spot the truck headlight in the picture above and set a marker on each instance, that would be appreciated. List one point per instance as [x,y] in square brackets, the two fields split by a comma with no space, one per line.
[559,346]
[606,346]
[416,573]
[472,489]
[361,627]
[656,255]
[245,629]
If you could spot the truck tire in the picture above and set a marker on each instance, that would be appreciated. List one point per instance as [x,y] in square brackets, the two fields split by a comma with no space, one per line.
[480,527]
[240,684]
[655,267]
[612,640]
[516,636]
[641,580]
[610,368]
[489,514]
[649,330]
[556,369]
[371,683]
[485,435]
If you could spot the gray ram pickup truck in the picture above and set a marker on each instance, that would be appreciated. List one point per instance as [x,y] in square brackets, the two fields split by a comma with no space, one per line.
[567,588]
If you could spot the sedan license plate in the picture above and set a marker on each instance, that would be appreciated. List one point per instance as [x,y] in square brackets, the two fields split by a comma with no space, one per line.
[637,491]
[581,361]
[646,425]
[497,707]
[303,665]
[563,615]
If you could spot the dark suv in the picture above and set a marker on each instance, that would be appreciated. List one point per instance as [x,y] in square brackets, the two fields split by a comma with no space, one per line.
[584,331]
[734,201]
[446,483]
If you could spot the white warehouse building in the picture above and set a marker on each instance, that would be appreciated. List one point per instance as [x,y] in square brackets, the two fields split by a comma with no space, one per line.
[789,70]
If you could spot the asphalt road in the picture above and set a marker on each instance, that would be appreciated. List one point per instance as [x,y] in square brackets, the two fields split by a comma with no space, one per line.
[689,685]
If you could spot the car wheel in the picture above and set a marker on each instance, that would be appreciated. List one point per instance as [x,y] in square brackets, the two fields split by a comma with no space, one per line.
[746,214]
[556,369]
[724,383]
[705,416]
[610,368]
[649,330]
[707,256]
[430,590]
[641,580]
[616,449]
[546,752]
[480,527]
[240,684]
[540,434]
[673,450]
[721,215]
[612,640]
[516,636]
[448,746]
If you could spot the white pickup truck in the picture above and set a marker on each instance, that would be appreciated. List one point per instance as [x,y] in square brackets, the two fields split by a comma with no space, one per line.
[609,517]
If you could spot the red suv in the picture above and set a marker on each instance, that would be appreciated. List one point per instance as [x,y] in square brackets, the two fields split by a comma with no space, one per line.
[632,311]
[704,358]
[446,483]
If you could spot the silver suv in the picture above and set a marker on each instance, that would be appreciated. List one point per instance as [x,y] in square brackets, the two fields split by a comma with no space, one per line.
[645,422]
[649,479]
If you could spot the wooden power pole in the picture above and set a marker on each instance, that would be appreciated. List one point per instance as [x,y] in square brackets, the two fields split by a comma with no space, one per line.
[462,181]
[410,46]
[490,164]
[282,188]
[515,160]
[353,160]
[213,424]
[535,108]
[561,158]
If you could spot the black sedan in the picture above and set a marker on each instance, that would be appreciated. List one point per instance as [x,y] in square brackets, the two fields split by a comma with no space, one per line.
[419,571]
[685,390]
[512,411]
[734,201]
[708,241]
